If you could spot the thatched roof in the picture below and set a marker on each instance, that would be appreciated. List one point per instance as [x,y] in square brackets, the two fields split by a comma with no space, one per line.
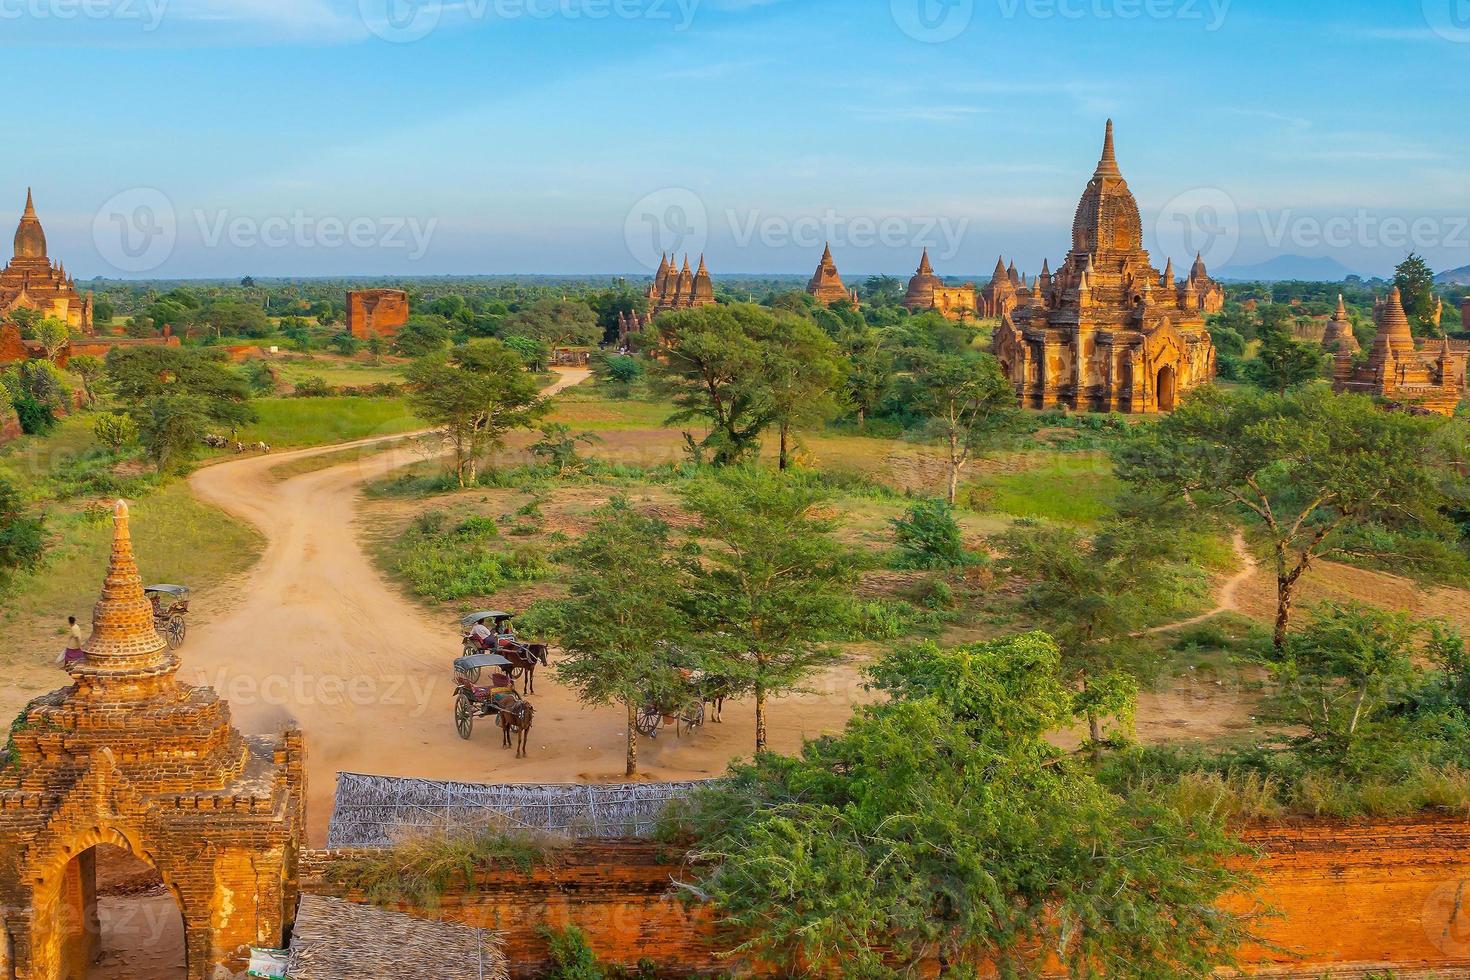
[335,939]
[378,811]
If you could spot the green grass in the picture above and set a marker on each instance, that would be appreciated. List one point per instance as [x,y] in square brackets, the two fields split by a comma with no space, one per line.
[295,368]
[176,538]
[1072,489]
[30,461]
[299,422]
[587,409]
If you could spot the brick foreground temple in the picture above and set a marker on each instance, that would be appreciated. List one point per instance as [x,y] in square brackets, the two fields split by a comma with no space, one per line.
[1397,370]
[1108,332]
[31,281]
[129,756]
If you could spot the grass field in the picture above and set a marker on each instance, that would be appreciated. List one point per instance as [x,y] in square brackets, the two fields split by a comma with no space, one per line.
[1073,489]
[295,368]
[299,422]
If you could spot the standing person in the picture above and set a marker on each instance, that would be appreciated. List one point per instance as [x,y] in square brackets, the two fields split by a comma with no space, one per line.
[73,653]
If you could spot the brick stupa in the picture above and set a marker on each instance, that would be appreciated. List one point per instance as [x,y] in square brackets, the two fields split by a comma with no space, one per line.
[131,756]
[826,284]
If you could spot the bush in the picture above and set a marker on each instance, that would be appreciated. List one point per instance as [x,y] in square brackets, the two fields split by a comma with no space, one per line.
[313,387]
[929,537]
[114,431]
[446,563]
[36,419]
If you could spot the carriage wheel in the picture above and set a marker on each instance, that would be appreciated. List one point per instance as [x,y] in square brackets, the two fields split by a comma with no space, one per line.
[469,649]
[471,674]
[695,719]
[649,720]
[464,716]
[175,631]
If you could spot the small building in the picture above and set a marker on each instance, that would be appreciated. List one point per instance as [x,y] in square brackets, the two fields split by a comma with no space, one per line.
[1397,370]
[376,312]
[826,284]
[128,756]
[927,292]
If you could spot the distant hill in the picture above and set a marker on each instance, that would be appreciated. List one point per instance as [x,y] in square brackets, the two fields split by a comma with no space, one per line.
[1282,268]
[1455,277]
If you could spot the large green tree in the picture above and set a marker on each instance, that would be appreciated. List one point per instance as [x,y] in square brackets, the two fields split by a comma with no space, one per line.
[967,404]
[1281,363]
[1313,474]
[773,580]
[1415,280]
[1093,593]
[621,633]
[942,826]
[801,374]
[476,394]
[137,376]
[555,322]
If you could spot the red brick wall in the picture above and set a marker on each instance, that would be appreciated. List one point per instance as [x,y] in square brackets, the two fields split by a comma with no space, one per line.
[1353,898]
[376,312]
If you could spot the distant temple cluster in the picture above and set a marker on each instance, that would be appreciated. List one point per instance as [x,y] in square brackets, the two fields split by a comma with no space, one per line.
[673,289]
[928,292]
[1107,332]
[32,282]
[1430,379]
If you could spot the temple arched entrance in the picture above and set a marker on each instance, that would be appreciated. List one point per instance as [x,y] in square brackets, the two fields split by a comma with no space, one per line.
[1166,388]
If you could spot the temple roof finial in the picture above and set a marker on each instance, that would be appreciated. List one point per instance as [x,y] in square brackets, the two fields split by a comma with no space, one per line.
[1107,166]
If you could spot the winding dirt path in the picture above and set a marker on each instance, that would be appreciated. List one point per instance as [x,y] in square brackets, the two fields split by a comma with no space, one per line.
[312,634]
[1228,599]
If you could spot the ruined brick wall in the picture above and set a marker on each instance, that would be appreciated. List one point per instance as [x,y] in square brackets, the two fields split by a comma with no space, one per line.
[1354,899]
[376,312]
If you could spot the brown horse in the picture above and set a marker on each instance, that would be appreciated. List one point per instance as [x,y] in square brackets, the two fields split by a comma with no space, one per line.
[517,718]
[524,657]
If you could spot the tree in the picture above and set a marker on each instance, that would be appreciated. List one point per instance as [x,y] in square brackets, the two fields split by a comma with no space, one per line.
[1415,280]
[871,372]
[800,374]
[476,394]
[1315,474]
[22,535]
[708,361]
[53,335]
[883,290]
[968,404]
[942,825]
[138,375]
[1341,671]
[171,427]
[772,583]
[558,446]
[233,317]
[535,354]
[929,537]
[421,336]
[557,323]
[620,634]
[344,343]
[1281,363]
[114,431]
[90,370]
[1093,594]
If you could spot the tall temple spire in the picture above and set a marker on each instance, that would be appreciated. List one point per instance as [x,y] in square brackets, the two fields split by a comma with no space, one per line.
[1393,325]
[30,239]
[123,636]
[1107,166]
[925,269]
[1168,281]
[1000,270]
[30,211]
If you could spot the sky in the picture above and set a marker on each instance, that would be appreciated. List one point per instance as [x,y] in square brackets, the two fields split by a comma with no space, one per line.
[220,138]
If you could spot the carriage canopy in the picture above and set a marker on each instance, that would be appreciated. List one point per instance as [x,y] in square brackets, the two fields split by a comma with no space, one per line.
[177,591]
[474,619]
[478,661]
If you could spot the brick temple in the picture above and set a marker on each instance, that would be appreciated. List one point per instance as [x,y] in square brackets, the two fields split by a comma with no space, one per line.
[680,289]
[1397,370]
[928,293]
[826,284]
[376,312]
[1108,332]
[32,281]
[129,756]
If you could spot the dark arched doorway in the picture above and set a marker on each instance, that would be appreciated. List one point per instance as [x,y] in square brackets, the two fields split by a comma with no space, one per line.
[1166,389]
[116,920]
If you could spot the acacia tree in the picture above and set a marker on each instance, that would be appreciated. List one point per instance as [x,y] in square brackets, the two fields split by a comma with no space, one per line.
[1415,280]
[475,394]
[1282,363]
[801,370]
[1316,474]
[89,369]
[1092,594]
[870,373]
[968,403]
[53,335]
[621,633]
[709,363]
[941,825]
[771,584]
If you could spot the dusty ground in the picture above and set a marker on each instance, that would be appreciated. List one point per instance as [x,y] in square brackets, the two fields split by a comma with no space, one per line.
[142,928]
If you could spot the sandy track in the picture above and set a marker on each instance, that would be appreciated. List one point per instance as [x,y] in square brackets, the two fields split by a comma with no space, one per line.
[313,635]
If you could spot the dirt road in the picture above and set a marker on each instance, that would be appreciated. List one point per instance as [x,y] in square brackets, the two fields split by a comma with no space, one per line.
[314,635]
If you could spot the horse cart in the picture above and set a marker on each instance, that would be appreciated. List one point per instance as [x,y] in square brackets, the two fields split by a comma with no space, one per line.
[498,636]
[170,606]
[681,707]
[497,700]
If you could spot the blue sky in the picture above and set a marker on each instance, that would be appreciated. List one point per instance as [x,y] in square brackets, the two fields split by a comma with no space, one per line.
[390,137]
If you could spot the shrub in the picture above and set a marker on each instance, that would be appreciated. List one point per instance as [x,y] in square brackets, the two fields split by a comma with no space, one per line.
[36,419]
[114,431]
[929,537]
[313,387]
[446,563]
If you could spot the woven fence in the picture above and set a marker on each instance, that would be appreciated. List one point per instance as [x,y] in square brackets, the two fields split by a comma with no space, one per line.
[378,811]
